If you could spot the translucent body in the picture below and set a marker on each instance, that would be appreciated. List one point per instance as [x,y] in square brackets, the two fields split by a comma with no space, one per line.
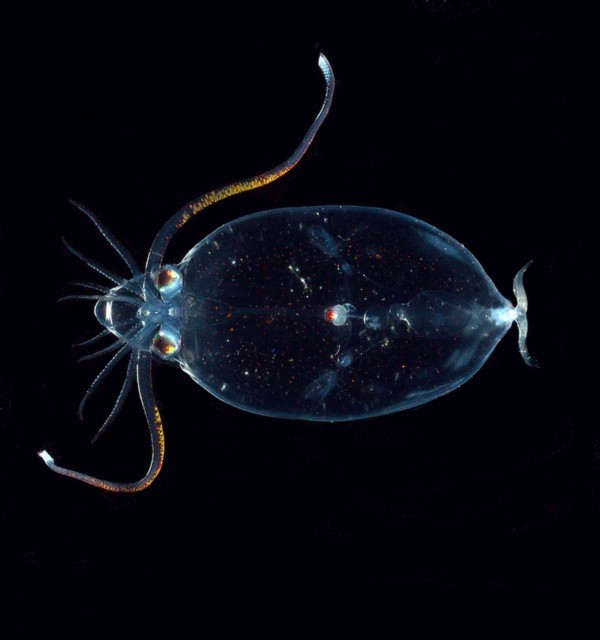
[321,313]
[335,313]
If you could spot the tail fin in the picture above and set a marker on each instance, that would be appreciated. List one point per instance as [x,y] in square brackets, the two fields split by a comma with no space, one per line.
[521,317]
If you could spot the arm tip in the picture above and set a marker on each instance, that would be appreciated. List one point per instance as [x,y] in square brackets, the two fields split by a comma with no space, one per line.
[46,457]
[324,64]
[327,71]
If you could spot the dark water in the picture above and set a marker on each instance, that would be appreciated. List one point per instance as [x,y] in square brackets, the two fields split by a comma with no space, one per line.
[473,118]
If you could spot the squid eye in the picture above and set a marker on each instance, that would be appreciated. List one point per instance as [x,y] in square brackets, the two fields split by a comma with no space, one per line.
[166,342]
[168,281]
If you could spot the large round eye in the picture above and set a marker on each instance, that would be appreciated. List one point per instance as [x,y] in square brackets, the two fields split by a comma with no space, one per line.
[166,342]
[168,281]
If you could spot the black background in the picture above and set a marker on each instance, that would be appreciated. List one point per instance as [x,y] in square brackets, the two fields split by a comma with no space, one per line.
[470,115]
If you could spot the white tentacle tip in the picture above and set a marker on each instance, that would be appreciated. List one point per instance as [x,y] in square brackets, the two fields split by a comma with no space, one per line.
[324,63]
[46,457]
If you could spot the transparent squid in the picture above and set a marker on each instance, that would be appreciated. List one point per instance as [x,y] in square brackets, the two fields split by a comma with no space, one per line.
[324,313]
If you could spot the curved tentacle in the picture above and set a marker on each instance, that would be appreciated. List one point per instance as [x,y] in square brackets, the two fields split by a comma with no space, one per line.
[101,270]
[155,256]
[132,301]
[185,214]
[90,285]
[92,264]
[96,338]
[125,389]
[103,334]
[110,238]
[157,439]
[124,339]
[99,379]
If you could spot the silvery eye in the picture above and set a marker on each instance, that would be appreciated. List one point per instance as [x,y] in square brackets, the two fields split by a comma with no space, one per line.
[166,342]
[168,281]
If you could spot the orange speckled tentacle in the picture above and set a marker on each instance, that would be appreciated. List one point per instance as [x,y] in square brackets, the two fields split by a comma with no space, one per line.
[185,214]
[155,257]
[157,438]
[216,195]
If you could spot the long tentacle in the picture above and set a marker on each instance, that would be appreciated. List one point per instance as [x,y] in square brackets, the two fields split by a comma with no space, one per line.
[155,256]
[101,270]
[106,332]
[124,339]
[99,379]
[157,438]
[177,221]
[96,338]
[125,389]
[92,264]
[132,301]
[93,287]
[110,238]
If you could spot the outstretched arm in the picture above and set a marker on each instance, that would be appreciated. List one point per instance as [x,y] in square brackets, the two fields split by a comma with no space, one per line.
[159,246]
[157,438]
